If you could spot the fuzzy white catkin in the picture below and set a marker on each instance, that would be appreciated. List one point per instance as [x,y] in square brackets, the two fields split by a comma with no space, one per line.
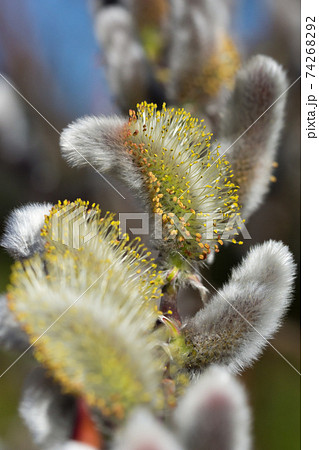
[251,127]
[195,32]
[233,328]
[48,414]
[127,67]
[143,431]
[93,139]
[22,234]
[113,145]
[98,141]
[112,325]
[11,335]
[213,414]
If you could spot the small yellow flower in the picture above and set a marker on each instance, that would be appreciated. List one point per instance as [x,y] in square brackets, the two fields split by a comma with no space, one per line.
[188,182]
[170,161]
[90,312]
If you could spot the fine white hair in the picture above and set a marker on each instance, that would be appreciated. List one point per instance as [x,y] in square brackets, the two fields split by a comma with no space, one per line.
[22,235]
[251,127]
[214,414]
[234,327]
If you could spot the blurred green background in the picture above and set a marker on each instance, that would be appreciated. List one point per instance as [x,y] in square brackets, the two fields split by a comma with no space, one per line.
[48,51]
